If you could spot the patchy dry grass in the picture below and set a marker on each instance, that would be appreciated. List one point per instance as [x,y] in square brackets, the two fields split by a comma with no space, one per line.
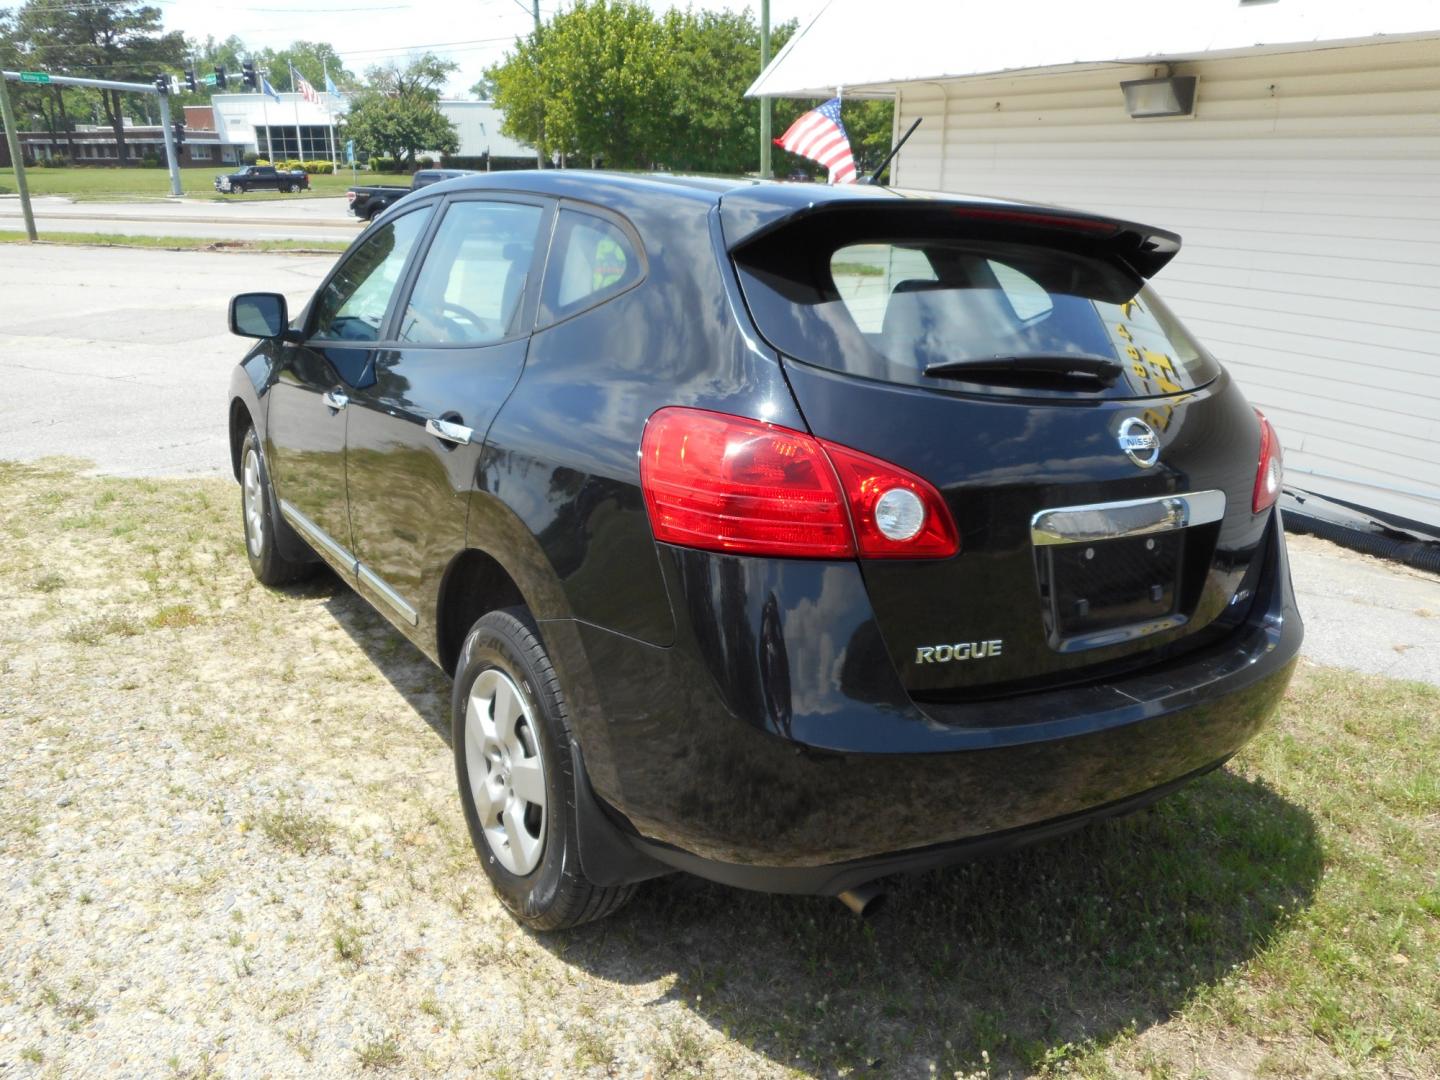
[230,845]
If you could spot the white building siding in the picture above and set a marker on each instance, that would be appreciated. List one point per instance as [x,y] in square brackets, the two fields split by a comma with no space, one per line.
[1307,189]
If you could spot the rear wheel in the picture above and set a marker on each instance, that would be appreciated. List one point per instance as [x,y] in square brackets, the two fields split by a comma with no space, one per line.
[517,783]
[262,542]
[285,189]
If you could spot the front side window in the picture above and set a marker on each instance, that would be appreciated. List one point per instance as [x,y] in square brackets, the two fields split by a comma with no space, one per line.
[591,260]
[471,286]
[352,305]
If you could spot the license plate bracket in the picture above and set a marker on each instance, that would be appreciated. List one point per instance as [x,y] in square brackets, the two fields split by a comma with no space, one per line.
[1112,590]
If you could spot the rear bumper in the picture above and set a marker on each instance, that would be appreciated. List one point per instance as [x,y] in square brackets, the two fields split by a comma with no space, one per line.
[772,746]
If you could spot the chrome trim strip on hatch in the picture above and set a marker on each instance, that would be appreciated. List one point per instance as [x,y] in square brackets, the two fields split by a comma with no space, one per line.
[1129,517]
[318,536]
[389,595]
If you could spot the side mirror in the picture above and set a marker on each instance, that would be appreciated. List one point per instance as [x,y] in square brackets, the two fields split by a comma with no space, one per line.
[259,315]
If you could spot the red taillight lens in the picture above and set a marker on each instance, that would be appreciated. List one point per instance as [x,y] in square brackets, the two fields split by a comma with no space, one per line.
[725,483]
[1272,467]
[890,524]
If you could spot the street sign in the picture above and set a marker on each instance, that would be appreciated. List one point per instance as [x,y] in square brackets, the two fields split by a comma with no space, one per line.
[209,80]
[34,76]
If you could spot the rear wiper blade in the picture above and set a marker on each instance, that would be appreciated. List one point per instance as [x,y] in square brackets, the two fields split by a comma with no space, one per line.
[1101,368]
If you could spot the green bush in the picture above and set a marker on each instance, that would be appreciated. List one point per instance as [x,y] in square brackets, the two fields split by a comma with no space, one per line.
[150,161]
[251,158]
[319,167]
[426,163]
[384,164]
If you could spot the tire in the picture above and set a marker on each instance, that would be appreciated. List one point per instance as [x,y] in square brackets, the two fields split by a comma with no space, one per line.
[238,189]
[285,189]
[261,526]
[505,683]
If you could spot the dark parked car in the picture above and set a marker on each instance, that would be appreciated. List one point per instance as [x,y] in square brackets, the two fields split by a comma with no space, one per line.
[366,202]
[262,178]
[788,536]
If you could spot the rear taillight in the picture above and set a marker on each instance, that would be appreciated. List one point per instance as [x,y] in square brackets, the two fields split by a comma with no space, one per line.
[1272,467]
[725,483]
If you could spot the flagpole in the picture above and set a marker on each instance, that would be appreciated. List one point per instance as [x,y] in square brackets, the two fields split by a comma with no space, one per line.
[265,115]
[299,143]
[329,116]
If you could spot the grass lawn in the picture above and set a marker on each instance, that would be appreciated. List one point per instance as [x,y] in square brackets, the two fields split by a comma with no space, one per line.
[240,801]
[110,184]
[173,243]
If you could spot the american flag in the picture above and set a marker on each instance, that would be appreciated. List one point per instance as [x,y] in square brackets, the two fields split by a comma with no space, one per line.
[820,136]
[303,85]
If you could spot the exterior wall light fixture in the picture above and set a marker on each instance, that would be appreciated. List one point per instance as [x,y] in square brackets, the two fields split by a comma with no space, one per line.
[1173,95]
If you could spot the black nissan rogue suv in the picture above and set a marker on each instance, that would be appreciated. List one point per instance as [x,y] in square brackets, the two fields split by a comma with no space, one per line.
[784,535]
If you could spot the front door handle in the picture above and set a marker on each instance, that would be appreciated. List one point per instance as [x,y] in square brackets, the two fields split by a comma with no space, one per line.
[334,399]
[451,432]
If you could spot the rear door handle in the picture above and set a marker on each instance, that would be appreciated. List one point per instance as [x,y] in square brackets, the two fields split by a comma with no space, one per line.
[334,399]
[450,432]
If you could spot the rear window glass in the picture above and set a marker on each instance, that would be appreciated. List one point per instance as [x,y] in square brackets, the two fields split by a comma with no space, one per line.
[889,308]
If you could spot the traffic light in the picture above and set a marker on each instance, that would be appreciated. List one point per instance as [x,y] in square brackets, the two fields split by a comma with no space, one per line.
[247,72]
[162,83]
[190,83]
[220,79]
[177,129]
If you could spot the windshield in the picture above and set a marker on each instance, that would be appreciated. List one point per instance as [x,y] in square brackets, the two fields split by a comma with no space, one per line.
[891,308]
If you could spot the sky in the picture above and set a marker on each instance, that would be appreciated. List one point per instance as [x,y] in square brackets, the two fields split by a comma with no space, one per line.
[473,33]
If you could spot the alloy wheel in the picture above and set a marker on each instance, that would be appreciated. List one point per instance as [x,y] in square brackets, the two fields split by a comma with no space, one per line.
[252,496]
[506,771]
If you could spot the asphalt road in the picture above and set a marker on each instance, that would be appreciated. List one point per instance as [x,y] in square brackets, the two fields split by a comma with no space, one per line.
[123,357]
[297,219]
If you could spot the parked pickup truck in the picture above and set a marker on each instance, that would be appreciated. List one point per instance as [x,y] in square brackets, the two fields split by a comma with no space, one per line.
[366,202]
[260,177]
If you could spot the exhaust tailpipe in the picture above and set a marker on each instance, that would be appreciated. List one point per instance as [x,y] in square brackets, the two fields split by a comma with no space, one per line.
[864,900]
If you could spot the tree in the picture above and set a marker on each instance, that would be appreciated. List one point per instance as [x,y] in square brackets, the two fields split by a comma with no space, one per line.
[717,56]
[110,39]
[311,59]
[398,114]
[484,89]
[593,82]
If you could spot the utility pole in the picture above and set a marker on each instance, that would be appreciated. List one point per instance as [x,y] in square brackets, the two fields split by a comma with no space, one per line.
[764,101]
[13,138]
[539,156]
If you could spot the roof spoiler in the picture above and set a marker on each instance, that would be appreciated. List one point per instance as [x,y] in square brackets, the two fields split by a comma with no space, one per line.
[748,215]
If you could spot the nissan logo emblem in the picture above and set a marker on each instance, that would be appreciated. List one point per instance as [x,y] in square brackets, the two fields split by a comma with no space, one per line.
[1139,441]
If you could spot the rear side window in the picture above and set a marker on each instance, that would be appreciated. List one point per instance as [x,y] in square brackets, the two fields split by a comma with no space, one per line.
[471,286]
[591,260]
[890,306]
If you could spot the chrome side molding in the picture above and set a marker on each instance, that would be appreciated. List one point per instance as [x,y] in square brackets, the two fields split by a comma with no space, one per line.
[318,537]
[389,595]
[326,545]
[1129,517]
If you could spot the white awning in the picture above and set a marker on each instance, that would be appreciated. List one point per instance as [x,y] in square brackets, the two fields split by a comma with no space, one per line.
[859,44]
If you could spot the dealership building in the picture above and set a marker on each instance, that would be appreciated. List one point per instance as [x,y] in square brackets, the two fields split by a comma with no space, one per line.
[293,128]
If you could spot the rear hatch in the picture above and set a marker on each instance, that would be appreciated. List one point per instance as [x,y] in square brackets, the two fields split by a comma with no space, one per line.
[1098,462]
